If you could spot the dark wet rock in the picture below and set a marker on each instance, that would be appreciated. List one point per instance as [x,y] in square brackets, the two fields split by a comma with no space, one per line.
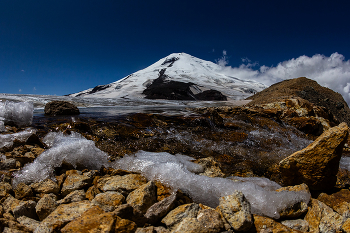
[162,88]
[55,108]
[158,210]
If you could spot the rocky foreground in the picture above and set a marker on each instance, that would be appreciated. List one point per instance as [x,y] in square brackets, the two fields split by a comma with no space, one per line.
[291,140]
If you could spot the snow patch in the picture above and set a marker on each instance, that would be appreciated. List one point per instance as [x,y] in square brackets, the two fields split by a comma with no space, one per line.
[177,172]
[73,149]
[6,140]
[20,114]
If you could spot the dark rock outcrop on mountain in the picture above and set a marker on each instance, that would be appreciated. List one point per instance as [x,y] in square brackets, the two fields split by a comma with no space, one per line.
[309,90]
[175,90]
[55,108]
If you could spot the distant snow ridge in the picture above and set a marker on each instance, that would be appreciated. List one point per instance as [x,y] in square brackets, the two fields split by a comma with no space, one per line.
[179,67]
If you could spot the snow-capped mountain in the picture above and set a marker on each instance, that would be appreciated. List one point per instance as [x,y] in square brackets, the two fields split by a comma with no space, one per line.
[179,67]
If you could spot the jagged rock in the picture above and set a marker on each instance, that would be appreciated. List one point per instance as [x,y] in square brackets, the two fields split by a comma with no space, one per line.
[158,210]
[211,167]
[189,225]
[46,205]
[30,223]
[297,224]
[7,225]
[92,192]
[298,208]
[61,108]
[92,220]
[267,225]
[339,201]
[124,225]
[174,217]
[77,195]
[143,197]
[7,164]
[322,218]
[25,208]
[236,210]
[210,220]
[22,190]
[62,215]
[46,186]
[75,181]
[108,201]
[5,189]
[10,203]
[346,226]
[123,184]
[152,229]
[316,165]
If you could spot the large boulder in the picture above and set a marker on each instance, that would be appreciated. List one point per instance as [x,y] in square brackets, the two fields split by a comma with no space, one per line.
[55,108]
[317,164]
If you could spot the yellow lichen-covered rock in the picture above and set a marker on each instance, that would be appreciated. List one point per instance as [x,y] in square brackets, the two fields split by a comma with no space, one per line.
[317,164]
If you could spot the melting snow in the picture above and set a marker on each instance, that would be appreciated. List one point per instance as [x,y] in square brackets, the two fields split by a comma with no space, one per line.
[20,114]
[176,171]
[6,140]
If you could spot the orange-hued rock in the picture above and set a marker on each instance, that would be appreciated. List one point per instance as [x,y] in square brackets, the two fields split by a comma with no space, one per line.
[316,165]
[265,224]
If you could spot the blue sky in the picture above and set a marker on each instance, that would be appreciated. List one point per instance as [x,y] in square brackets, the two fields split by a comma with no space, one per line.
[65,46]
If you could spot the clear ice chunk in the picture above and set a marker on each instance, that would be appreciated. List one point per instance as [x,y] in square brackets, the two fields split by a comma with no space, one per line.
[20,114]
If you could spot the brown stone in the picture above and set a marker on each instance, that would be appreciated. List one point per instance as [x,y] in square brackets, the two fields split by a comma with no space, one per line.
[60,108]
[46,186]
[108,201]
[158,210]
[210,220]
[92,220]
[74,182]
[316,165]
[124,225]
[5,189]
[143,197]
[265,224]
[92,192]
[22,190]
[336,198]
[46,205]
[174,217]
[123,184]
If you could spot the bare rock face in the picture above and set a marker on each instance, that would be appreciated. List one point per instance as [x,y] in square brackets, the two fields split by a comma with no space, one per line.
[176,216]
[74,182]
[123,184]
[46,205]
[55,108]
[46,186]
[236,210]
[316,165]
[108,201]
[264,225]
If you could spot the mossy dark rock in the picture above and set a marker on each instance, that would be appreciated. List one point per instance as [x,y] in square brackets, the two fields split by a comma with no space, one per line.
[55,108]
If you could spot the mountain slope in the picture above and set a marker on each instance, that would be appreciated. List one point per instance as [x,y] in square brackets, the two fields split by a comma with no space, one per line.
[179,67]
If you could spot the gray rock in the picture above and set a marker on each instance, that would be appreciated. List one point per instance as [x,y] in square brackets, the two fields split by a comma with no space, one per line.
[236,210]
[143,197]
[158,210]
[297,224]
[46,205]
[108,201]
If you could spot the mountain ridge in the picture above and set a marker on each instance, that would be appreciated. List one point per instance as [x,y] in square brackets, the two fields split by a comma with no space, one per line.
[179,67]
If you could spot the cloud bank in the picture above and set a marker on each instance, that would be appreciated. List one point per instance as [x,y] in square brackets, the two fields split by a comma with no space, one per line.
[332,72]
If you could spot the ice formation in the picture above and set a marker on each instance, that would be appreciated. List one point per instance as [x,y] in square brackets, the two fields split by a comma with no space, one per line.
[20,114]
[177,172]
[73,149]
[345,163]
[6,140]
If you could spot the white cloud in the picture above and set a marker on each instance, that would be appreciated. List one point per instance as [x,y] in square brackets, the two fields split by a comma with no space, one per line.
[223,61]
[20,90]
[332,72]
[34,88]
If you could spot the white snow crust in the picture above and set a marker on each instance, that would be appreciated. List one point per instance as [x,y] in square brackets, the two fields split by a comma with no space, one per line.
[73,149]
[205,74]
[20,114]
[6,140]
[177,171]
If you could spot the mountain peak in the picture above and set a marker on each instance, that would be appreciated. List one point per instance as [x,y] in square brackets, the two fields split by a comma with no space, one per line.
[181,68]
